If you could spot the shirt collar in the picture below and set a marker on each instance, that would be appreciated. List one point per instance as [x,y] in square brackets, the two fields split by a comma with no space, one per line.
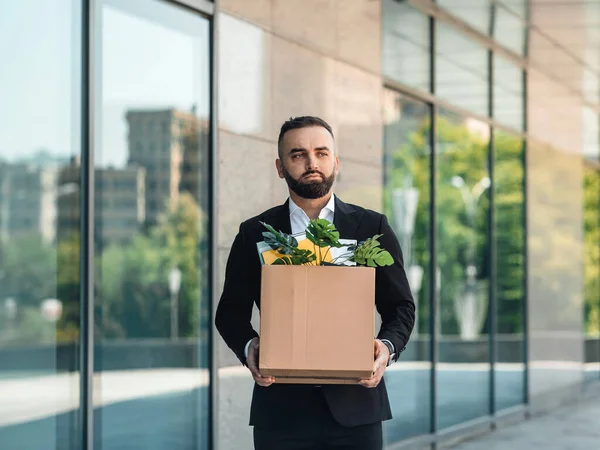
[329,206]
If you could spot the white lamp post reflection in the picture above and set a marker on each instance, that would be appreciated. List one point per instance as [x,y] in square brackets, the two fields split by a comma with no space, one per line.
[469,306]
[51,309]
[10,308]
[10,313]
[174,287]
[405,201]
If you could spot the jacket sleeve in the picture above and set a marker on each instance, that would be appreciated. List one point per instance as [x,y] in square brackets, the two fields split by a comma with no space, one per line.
[393,297]
[234,311]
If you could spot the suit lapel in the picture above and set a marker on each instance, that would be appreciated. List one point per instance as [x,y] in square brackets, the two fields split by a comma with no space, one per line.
[346,219]
[282,218]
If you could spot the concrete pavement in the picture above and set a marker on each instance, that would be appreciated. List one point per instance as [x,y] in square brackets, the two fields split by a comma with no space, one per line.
[574,427]
[160,409]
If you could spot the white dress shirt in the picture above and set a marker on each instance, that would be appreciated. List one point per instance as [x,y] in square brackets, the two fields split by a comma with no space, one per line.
[299,221]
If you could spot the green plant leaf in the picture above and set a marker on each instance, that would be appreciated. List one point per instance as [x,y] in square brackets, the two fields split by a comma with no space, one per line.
[286,245]
[323,233]
[370,254]
[385,258]
[279,241]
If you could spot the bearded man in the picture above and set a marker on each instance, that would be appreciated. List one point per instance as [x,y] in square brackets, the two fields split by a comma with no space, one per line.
[304,416]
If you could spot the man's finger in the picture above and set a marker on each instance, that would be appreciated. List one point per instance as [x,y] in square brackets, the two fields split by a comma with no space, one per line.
[369,384]
[264,381]
[258,377]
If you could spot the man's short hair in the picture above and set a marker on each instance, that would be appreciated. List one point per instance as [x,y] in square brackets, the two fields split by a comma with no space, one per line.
[301,122]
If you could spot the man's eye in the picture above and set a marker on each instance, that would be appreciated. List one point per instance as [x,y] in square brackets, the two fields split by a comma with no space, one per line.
[297,155]
[323,154]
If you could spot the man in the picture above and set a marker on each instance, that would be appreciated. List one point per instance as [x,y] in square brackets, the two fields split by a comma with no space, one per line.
[288,416]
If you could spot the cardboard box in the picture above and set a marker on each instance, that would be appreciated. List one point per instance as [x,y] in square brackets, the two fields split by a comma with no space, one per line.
[317,324]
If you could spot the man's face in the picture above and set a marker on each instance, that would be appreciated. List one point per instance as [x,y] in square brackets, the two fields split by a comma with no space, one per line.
[308,161]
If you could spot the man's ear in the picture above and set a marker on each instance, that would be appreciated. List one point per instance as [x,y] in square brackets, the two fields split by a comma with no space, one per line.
[279,166]
[337,164]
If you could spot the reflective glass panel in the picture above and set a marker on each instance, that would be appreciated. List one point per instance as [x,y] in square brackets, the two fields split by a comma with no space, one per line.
[510,269]
[517,7]
[406,46]
[462,204]
[508,93]
[591,236]
[477,13]
[591,134]
[39,224]
[151,225]
[407,161]
[461,76]
[509,29]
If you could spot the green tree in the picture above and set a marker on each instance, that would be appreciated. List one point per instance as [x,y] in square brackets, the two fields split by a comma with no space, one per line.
[182,234]
[591,219]
[408,166]
[132,282]
[68,264]
[462,151]
[510,232]
[28,270]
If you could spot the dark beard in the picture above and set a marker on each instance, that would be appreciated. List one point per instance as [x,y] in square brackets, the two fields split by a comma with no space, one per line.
[312,189]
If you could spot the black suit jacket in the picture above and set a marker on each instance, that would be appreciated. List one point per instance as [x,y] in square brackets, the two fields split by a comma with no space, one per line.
[288,404]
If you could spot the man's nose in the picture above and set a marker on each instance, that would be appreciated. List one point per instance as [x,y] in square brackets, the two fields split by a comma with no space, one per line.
[312,162]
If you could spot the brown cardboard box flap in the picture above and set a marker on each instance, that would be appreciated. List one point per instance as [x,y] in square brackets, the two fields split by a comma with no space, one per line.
[321,374]
[316,381]
[317,322]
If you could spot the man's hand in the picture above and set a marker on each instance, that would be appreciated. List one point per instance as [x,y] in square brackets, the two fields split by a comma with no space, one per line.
[253,364]
[382,356]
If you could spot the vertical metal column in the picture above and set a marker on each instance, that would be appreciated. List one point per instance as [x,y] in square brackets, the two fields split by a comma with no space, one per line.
[86,354]
[525,249]
[213,208]
[433,231]
[525,222]
[491,228]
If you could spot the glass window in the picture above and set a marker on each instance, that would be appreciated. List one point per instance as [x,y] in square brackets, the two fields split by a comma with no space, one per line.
[517,7]
[508,93]
[152,319]
[474,12]
[589,84]
[461,76]
[591,134]
[509,29]
[462,204]
[39,224]
[407,160]
[510,269]
[508,26]
[591,236]
[406,45]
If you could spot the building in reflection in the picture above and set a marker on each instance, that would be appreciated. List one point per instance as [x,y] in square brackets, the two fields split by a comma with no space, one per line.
[164,159]
[167,143]
[28,195]
[120,205]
